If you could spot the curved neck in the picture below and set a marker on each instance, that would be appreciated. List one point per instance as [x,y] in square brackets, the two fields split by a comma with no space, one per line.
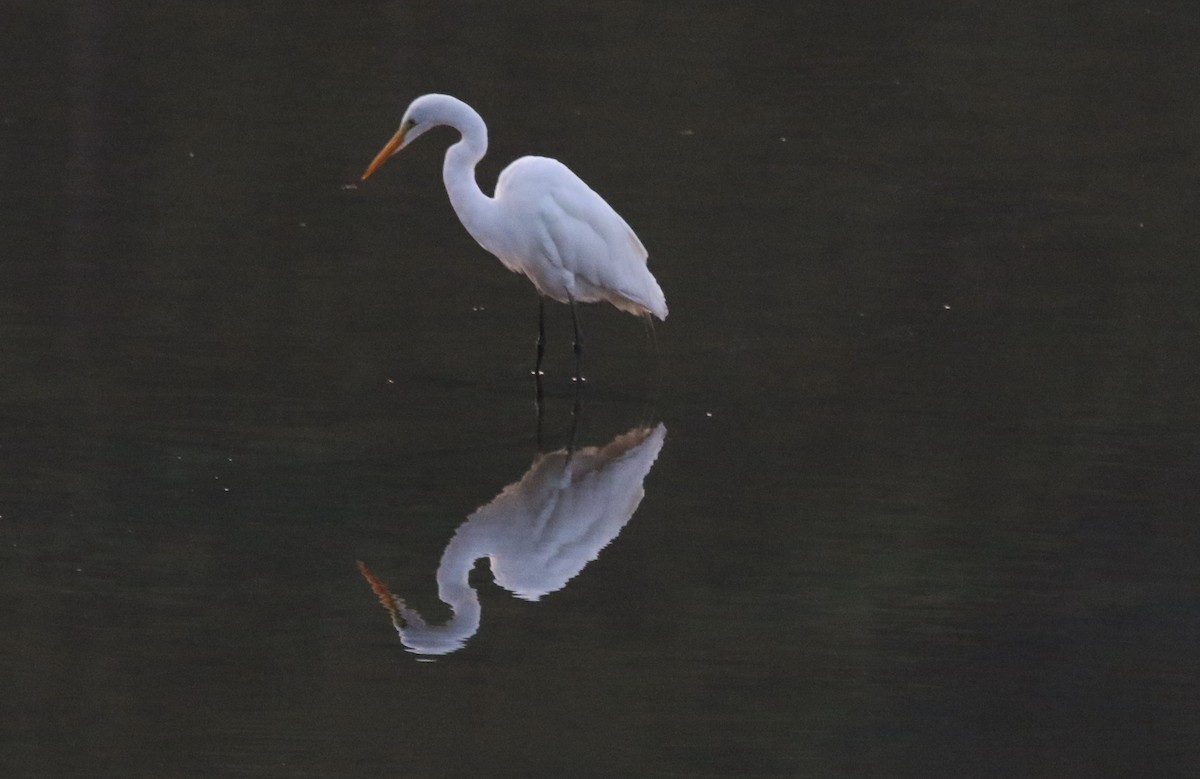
[454,589]
[454,571]
[475,209]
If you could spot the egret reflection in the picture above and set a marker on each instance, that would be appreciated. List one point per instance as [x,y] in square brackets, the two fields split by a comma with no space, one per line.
[538,534]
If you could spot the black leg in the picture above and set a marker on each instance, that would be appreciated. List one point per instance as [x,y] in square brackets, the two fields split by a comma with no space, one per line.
[541,341]
[537,405]
[578,344]
[577,406]
[576,413]
[538,395]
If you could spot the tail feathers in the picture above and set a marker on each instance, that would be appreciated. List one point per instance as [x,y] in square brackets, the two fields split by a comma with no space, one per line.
[656,303]
[647,300]
[637,296]
[660,308]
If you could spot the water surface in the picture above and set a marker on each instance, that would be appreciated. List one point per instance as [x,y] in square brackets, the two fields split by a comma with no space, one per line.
[926,500]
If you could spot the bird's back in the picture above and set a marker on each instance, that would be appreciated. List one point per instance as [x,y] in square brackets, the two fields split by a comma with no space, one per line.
[570,242]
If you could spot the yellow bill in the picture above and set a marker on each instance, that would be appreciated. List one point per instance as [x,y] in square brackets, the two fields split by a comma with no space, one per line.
[387,151]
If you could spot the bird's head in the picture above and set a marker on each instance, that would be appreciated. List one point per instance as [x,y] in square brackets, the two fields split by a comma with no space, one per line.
[424,113]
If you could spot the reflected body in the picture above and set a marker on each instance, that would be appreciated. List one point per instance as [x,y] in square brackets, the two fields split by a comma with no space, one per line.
[537,534]
[543,222]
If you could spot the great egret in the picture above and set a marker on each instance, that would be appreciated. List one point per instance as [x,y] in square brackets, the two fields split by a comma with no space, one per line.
[543,222]
[538,534]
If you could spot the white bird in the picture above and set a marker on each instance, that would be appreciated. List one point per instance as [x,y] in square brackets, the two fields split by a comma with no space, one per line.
[538,534]
[543,222]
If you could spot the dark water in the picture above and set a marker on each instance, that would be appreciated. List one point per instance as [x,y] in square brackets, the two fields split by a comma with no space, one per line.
[926,503]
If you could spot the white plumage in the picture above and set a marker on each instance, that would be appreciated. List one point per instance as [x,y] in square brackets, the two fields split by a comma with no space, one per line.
[543,222]
[578,247]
